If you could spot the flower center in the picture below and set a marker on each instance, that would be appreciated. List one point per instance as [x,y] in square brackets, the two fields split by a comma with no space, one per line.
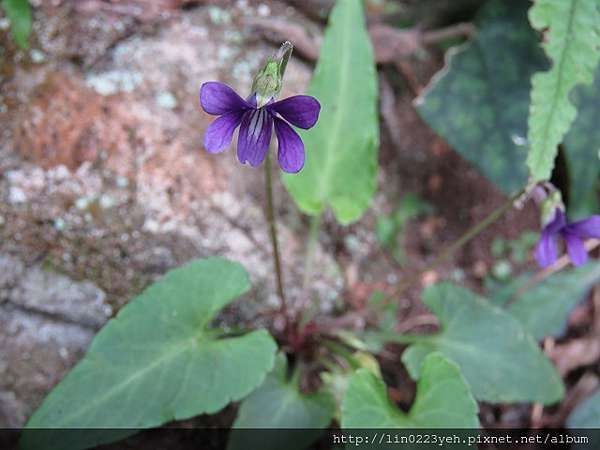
[256,124]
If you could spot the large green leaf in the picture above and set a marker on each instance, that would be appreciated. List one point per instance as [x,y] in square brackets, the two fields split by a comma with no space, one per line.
[19,13]
[479,102]
[473,99]
[582,151]
[572,38]
[443,400]
[280,406]
[341,158]
[587,414]
[500,293]
[158,360]
[543,309]
[501,362]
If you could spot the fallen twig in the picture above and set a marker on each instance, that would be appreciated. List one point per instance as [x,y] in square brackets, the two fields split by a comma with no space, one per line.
[389,44]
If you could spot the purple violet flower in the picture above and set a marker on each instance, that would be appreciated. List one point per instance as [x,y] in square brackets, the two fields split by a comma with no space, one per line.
[256,125]
[573,234]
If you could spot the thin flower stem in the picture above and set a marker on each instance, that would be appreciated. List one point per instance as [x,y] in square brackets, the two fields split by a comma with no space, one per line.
[270,212]
[433,37]
[451,249]
[313,237]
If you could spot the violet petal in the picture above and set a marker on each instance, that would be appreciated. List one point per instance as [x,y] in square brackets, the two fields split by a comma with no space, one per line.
[546,251]
[291,148]
[218,135]
[301,111]
[252,101]
[255,136]
[558,222]
[576,249]
[586,228]
[218,98]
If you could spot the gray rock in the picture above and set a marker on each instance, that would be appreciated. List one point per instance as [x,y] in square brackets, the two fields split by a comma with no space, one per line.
[11,270]
[55,295]
[46,322]
[137,195]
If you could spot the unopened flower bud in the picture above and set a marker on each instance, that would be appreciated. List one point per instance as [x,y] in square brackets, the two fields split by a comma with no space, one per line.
[550,205]
[268,82]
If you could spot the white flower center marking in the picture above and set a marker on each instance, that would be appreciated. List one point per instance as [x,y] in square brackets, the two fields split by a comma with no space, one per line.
[256,124]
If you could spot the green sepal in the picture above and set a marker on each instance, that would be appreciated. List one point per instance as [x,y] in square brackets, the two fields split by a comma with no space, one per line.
[550,205]
[268,82]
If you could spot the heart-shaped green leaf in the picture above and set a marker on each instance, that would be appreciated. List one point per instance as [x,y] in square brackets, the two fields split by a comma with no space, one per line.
[543,309]
[499,359]
[158,361]
[280,406]
[479,103]
[443,400]
[341,150]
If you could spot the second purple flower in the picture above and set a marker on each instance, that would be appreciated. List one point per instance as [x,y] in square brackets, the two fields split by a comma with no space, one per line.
[256,125]
[574,235]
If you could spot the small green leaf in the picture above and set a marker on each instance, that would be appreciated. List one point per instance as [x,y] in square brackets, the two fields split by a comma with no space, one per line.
[386,231]
[279,405]
[158,361]
[572,39]
[389,229]
[479,102]
[443,400]
[520,249]
[587,414]
[19,13]
[498,247]
[341,150]
[502,269]
[544,309]
[501,362]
